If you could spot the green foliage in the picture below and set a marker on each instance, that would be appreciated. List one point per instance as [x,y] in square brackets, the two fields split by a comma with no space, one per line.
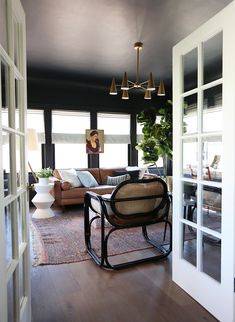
[44,173]
[157,141]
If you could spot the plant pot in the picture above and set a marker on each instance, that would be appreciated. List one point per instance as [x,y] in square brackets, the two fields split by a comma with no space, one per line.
[43,181]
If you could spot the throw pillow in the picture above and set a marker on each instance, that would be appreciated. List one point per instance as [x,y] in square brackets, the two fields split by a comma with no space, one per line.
[114,181]
[70,176]
[134,174]
[87,179]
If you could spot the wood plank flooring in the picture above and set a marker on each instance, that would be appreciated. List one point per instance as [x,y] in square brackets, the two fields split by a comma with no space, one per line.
[83,292]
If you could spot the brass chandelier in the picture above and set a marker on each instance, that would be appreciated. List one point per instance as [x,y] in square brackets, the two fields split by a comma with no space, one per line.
[148,86]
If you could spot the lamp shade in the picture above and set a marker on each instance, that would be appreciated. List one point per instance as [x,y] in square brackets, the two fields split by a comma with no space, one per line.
[113,88]
[161,89]
[125,85]
[147,95]
[32,140]
[125,95]
[151,85]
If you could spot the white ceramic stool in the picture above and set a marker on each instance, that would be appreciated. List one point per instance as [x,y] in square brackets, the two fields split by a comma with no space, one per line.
[43,201]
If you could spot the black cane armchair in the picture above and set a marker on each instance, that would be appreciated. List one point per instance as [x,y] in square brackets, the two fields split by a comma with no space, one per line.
[137,203]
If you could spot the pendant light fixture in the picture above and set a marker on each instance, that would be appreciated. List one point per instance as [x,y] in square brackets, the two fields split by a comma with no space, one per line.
[148,86]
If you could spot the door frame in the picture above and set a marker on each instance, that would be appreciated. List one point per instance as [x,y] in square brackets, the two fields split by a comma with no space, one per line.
[15,292]
[185,275]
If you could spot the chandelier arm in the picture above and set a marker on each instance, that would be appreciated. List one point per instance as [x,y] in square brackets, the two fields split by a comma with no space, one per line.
[120,85]
[142,87]
[131,82]
[144,83]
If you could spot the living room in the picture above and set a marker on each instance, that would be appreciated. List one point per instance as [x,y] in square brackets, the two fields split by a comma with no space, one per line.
[73,52]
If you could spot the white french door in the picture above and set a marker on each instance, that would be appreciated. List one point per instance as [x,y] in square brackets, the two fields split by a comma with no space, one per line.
[204,164]
[14,237]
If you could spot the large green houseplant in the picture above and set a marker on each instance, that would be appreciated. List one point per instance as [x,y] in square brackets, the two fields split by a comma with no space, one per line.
[157,140]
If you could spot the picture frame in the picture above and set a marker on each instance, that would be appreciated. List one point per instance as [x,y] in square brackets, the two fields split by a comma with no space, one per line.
[94,141]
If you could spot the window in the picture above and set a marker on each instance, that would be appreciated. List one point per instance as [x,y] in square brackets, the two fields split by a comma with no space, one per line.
[116,139]
[68,135]
[35,121]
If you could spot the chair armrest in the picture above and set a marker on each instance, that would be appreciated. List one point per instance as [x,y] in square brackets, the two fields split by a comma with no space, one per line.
[89,196]
[92,194]
[98,201]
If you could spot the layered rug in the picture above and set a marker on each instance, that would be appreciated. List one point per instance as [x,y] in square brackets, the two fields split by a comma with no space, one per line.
[60,239]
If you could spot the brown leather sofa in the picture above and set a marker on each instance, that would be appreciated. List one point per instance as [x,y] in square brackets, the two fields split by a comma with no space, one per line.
[65,195]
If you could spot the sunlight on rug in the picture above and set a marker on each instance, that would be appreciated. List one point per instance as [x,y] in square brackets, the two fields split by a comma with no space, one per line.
[60,239]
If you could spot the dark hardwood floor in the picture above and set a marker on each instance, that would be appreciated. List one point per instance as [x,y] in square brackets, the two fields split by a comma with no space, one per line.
[83,292]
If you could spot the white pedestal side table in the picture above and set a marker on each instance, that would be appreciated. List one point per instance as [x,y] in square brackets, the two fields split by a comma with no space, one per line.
[43,201]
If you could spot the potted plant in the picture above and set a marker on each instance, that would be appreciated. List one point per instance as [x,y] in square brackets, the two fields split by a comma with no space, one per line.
[43,175]
[157,140]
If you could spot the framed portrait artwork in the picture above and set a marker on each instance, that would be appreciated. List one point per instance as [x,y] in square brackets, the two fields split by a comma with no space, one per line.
[94,141]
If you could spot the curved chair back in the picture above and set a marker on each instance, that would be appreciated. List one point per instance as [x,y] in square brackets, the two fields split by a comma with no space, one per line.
[145,199]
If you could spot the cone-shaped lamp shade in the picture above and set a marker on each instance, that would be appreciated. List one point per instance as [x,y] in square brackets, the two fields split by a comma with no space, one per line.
[125,95]
[161,89]
[113,88]
[147,95]
[151,85]
[125,85]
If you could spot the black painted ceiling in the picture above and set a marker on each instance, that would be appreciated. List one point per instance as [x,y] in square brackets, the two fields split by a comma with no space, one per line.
[94,38]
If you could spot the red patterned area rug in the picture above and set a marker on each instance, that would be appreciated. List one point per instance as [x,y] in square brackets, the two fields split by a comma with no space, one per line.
[60,239]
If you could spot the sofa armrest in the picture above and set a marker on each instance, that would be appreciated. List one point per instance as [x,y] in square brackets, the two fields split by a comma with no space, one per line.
[53,179]
[56,192]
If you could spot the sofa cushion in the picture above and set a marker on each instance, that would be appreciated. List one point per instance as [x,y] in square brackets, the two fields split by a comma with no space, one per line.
[87,179]
[79,193]
[114,181]
[70,176]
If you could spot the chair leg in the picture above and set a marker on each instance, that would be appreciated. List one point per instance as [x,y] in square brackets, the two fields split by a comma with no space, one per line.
[157,245]
[165,228]
[87,228]
[87,232]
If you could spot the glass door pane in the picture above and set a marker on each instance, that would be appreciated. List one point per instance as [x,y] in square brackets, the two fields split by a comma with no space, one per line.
[190,158]
[212,58]
[212,109]
[190,114]
[6,163]
[5,93]
[3,24]
[190,70]
[212,158]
